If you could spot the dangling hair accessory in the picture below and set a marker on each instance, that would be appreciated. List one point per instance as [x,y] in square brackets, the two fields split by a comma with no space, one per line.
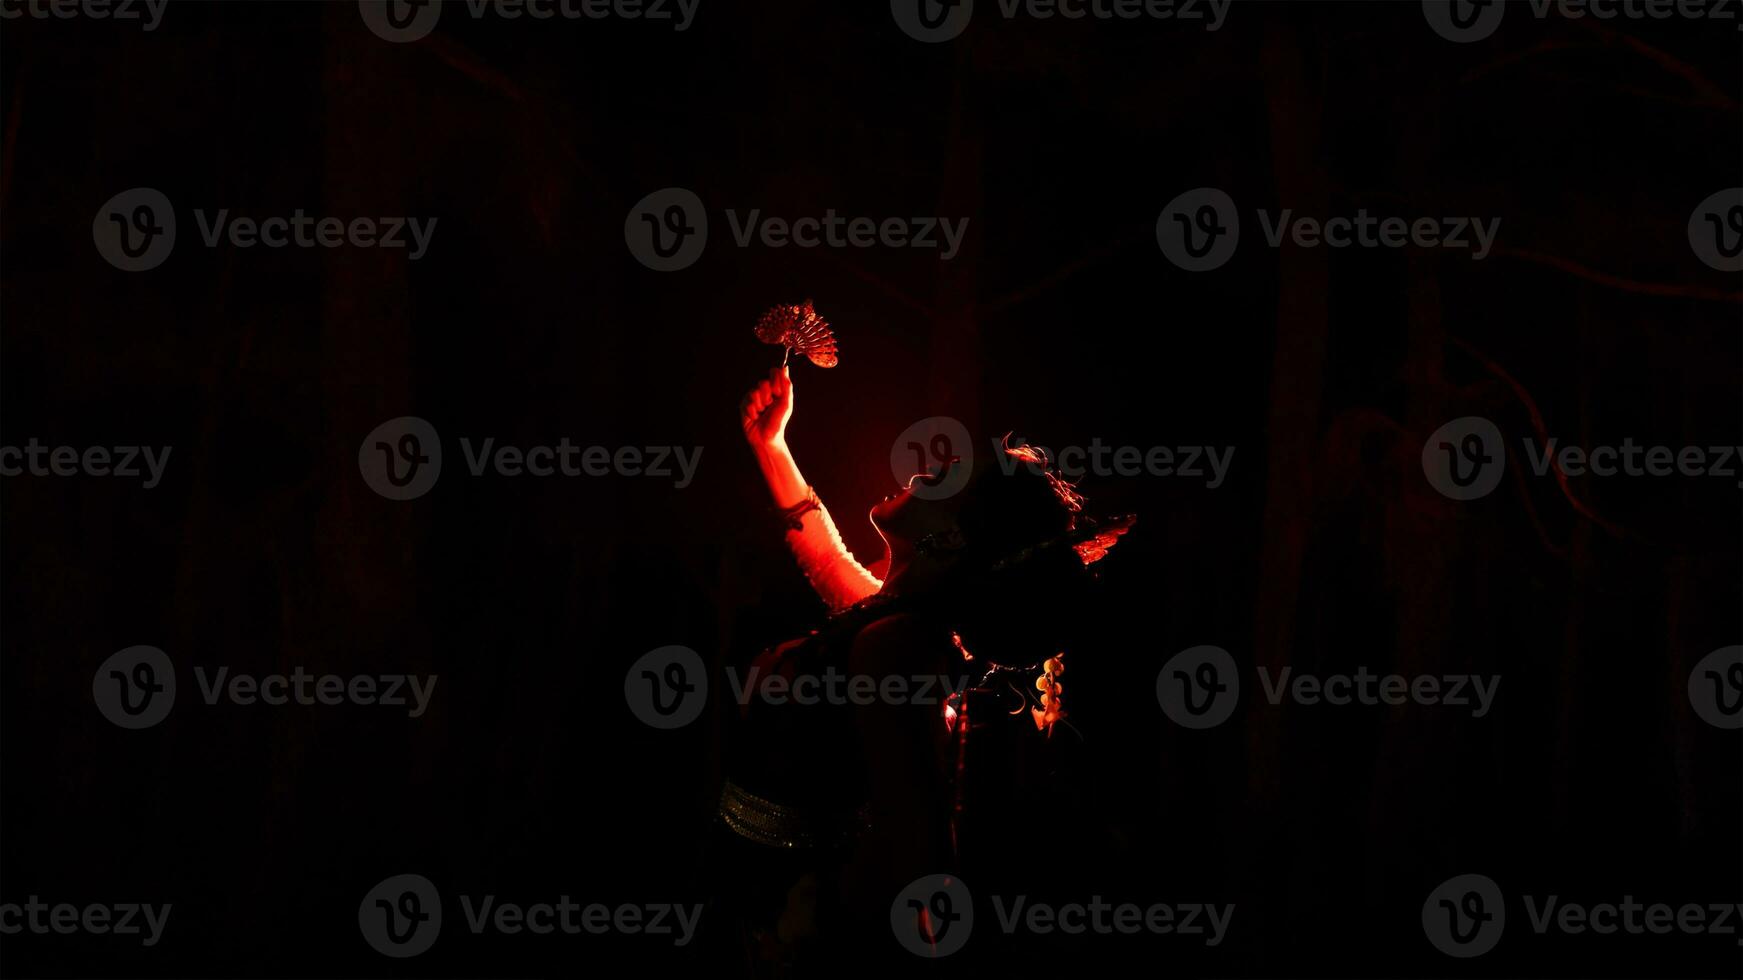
[1090,537]
[1051,711]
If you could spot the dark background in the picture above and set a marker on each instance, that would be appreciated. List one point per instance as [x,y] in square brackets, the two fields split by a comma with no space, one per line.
[530,321]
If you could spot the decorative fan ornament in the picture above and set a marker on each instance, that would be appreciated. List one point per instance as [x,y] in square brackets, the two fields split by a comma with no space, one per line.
[799,329]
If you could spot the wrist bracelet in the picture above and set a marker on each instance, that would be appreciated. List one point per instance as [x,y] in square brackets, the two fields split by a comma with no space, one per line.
[794,517]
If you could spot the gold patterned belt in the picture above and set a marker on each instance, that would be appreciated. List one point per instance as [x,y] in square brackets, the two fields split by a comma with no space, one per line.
[775,825]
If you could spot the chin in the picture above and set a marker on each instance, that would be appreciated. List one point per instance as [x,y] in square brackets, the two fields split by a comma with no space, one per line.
[882,510]
[890,514]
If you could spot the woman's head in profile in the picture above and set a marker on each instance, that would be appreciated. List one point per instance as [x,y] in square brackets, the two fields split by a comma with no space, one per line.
[1010,543]
[978,512]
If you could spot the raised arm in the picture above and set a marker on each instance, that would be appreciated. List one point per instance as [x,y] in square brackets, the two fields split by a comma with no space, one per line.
[816,544]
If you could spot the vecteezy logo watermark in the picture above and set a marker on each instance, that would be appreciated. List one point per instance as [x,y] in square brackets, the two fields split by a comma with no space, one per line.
[136,230]
[1716,230]
[667,688]
[1198,231]
[933,458]
[306,689]
[98,919]
[403,21]
[667,231]
[36,459]
[400,21]
[149,13]
[1465,21]
[402,917]
[401,459]
[136,687]
[933,21]
[1367,231]
[1716,688]
[1467,914]
[934,916]
[1464,459]
[1200,686]
[834,231]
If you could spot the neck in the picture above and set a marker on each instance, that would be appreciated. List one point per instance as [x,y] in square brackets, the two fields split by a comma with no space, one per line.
[910,572]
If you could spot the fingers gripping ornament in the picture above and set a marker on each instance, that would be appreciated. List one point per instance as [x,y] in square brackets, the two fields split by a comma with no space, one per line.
[799,329]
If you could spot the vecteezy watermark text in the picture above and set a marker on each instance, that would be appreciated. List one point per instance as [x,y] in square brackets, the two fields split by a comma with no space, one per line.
[401,459]
[303,688]
[1210,463]
[1199,687]
[136,688]
[1465,458]
[98,919]
[1466,21]
[403,21]
[941,449]
[840,688]
[668,229]
[572,918]
[933,21]
[1200,229]
[402,917]
[568,459]
[935,916]
[136,231]
[36,459]
[1466,915]
[667,687]
[148,13]
[835,231]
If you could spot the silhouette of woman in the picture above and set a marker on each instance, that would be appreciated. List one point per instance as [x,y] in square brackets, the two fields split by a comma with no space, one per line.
[834,803]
